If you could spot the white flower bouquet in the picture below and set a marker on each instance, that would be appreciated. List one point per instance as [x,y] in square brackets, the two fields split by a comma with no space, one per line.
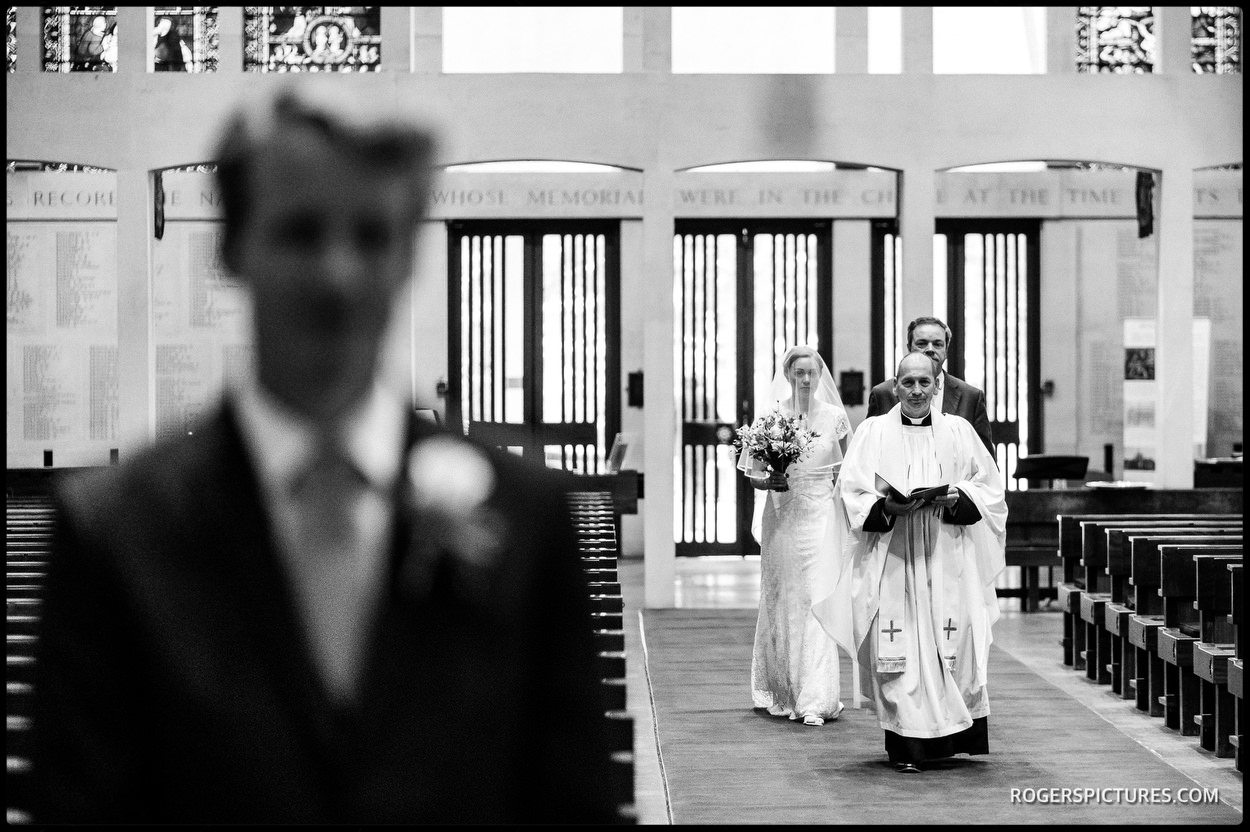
[776,440]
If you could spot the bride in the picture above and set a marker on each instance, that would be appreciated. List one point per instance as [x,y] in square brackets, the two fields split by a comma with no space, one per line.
[794,666]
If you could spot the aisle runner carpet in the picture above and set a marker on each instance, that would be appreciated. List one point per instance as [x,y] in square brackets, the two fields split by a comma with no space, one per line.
[727,763]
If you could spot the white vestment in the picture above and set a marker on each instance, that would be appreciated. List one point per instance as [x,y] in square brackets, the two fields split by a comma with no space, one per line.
[916,604]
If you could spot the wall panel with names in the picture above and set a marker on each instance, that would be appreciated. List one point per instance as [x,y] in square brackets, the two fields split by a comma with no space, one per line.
[200,326]
[1219,289]
[1137,272]
[61,342]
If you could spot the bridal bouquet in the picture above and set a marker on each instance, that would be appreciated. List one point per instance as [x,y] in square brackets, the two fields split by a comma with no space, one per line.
[776,440]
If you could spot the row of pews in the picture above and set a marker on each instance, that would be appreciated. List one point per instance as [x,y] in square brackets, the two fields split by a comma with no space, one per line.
[594,522]
[28,538]
[27,545]
[1152,607]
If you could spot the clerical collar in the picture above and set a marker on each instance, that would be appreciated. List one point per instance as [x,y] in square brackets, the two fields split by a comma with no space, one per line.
[926,421]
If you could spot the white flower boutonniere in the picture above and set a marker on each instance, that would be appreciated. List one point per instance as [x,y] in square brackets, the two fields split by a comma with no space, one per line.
[451,482]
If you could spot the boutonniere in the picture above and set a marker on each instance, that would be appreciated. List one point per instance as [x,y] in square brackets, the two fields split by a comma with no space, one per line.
[448,489]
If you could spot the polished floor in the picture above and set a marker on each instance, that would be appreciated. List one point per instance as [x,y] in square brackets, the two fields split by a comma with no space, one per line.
[1032,639]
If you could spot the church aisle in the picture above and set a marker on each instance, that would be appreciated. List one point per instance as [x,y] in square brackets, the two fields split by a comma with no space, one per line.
[722,762]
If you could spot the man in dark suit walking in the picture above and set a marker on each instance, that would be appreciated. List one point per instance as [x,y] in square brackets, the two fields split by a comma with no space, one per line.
[933,337]
[318,609]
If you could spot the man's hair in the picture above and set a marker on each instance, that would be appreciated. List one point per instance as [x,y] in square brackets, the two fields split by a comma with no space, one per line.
[928,319]
[909,355]
[392,147]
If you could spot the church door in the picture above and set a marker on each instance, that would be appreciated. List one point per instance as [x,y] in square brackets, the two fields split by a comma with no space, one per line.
[993,305]
[744,293]
[534,331]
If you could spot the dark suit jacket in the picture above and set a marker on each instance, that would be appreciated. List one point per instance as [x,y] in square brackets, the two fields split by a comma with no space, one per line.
[959,397]
[174,683]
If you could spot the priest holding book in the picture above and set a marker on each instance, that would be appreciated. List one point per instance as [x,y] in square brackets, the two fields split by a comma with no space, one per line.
[908,589]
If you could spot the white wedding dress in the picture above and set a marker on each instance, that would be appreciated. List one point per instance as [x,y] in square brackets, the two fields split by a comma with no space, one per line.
[794,666]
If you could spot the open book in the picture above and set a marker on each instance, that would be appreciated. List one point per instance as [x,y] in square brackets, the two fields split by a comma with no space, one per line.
[926,495]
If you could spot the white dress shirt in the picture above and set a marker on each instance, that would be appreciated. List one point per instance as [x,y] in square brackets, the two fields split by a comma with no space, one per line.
[336,591]
[941,390]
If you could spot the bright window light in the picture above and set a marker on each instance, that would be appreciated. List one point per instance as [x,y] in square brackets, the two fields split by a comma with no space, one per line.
[781,166]
[753,39]
[533,166]
[885,40]
[1000,167]
[1003,40]
[532,39]
[767,166]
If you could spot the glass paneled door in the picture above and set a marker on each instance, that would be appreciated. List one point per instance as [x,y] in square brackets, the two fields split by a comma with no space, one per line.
[533,356]
[993,307]
[744,293]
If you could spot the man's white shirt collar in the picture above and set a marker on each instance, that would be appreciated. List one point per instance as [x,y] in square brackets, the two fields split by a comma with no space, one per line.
[282,444]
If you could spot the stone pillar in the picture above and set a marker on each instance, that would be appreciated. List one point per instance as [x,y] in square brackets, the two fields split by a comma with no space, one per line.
[657,40]
[917,195]
[660,424]
[136,404]
[850,53]
[632,25]
[917,40]
[427,40]
[230,39]
[661,427]
[1061,40]
[916,186]
[852,297]
[29,20]
[1174,341]
[397,33]
[1173,28]
[134,39]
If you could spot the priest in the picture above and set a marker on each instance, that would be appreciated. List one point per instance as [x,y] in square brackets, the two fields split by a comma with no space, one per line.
[908,588]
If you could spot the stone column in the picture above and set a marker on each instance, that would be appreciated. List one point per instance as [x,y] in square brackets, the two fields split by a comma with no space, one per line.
[427,40]
[660,425]
[850,53]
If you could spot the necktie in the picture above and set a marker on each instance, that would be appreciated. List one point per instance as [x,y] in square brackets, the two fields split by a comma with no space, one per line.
[332,566]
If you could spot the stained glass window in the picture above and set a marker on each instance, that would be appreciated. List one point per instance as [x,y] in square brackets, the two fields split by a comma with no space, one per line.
[16,165]
[80,39]
[185,39]
[1117,39]
[10,43]
[1216,43]
[312,39]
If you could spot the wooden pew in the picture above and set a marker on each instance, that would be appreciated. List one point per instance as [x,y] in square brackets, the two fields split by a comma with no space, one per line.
[1147,617]
[1180,631]
[595,518]
[1102,505]
[28,538]
[1111,649]
[1216,719]
[1033,536]
[1096,592]
[1236,665]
